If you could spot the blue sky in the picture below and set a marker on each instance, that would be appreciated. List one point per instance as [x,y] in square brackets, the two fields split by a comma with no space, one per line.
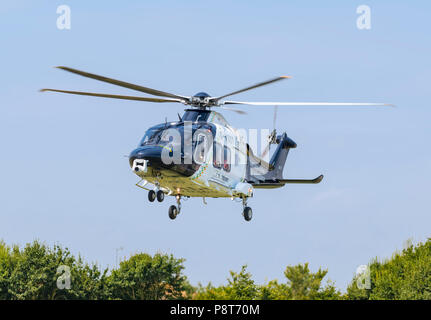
[64,177]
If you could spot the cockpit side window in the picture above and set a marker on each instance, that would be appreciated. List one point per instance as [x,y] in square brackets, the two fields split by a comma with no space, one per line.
[165,136]
[200,149]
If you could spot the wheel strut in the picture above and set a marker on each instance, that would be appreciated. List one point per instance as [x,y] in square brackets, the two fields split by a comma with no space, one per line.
[179,203]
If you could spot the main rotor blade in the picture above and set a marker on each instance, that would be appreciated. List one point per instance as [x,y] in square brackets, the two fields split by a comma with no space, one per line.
[113,96]
[124,84]
[234,110]
[307,103]
[260,84]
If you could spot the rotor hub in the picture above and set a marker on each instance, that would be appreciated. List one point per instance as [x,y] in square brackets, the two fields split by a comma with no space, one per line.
[201,99]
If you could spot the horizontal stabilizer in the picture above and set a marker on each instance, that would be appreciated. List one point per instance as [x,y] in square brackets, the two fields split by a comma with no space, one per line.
[278,183]
[312,181]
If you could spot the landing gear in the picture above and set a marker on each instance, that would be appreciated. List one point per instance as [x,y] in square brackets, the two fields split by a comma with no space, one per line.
[160,196]
[247,212]
[151,195]
[174,210]
[156,194]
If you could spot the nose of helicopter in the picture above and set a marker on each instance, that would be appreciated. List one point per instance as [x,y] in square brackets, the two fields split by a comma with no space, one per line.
[150,155]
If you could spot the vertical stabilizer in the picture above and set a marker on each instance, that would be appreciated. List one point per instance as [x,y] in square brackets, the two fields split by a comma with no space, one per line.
[278,159]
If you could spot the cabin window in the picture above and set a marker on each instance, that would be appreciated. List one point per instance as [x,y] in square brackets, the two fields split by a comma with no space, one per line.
[221,157]
[237,160]
[217,155]
[226,159]
[236,152]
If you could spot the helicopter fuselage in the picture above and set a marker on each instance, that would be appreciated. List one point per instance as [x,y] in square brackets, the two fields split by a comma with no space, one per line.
[213,165]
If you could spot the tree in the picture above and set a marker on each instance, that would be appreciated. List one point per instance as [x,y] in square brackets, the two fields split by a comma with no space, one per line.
[31,273]
[37,271]
[301,284]
[240,287]
[150,278]
[406,276]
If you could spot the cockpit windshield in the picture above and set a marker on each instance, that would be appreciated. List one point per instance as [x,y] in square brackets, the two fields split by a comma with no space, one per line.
[165,134]
[158,135]
[152,136]
[196,115]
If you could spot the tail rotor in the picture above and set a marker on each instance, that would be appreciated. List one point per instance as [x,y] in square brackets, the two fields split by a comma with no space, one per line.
[273,135]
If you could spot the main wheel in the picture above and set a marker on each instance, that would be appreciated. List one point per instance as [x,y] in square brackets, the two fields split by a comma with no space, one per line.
[160,195]
[247,213]
[173,212]
[151,195]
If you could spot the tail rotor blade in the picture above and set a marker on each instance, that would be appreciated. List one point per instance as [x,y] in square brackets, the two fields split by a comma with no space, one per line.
[275,117]
[265,151]
[273,134]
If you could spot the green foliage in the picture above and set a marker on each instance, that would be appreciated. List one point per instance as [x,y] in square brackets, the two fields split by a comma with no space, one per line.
[210,293]
[149,278]
[240,287]
[275,291]
[405,276]
[301,284]
[31,273]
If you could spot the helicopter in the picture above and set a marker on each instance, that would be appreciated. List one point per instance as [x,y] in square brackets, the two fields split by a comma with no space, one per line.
[201,154]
